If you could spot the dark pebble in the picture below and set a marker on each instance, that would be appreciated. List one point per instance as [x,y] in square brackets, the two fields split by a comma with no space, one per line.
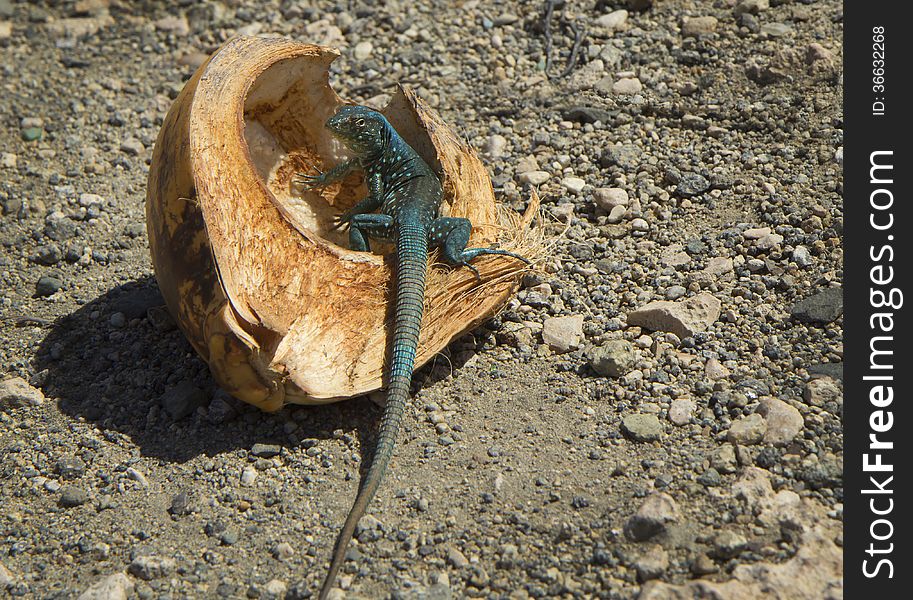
[692,184]
[265,450]
[182,400]
[48,286]
[823,307]
[71,467]
[71,496]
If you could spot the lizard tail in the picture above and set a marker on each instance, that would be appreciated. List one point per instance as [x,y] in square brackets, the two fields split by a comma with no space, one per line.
[412,260]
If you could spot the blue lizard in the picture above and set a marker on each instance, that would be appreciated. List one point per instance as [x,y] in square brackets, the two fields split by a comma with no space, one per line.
[408,195]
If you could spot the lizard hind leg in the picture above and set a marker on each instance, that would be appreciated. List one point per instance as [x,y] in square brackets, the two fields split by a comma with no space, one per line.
[451,234]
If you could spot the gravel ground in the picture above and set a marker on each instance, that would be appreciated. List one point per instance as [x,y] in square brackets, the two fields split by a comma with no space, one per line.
[587,442]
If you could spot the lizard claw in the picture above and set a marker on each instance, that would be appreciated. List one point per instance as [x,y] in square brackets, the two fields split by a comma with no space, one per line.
[473,269]
[341,220]
[308,182]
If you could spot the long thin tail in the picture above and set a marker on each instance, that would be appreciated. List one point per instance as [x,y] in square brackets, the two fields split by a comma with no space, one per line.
[412,259]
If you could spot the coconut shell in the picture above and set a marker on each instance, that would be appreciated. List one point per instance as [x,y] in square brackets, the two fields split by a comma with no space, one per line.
[250,269]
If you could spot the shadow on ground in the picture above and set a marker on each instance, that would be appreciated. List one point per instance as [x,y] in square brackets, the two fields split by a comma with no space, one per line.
[117,374]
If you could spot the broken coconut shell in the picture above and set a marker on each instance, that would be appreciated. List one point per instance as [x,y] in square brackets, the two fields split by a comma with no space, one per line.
[255,277]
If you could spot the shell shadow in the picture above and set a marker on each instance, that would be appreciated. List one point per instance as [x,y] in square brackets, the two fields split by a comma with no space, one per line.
[138,376]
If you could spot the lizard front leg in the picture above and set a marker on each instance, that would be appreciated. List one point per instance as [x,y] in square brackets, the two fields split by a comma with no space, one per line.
[308,182]
[368,204]
[361,227]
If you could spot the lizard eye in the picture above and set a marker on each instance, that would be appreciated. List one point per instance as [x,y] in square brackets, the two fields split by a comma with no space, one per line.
[359,122]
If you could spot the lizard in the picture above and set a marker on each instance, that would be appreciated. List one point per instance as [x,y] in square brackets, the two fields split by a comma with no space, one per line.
[407,195]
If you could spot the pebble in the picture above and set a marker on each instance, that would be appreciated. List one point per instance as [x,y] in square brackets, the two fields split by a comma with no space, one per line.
[8,160]
[614,358]
[627,86]
[182,400]
[248,476]
[784,422]
[639,224]
[692,184]
[72,496]
[113,587]
[729,544]
[534,177]
[283,551]
[642,427]
[617,214]
[456,559]
[132,146]
[710,478]
[683,318]
[703,565]
[363,50]
[775,30]
[626,156]
[563,334]
[265,450]
[609,198]
[750,7]
[747,431]
[822,391]
[652,564]
[698,26]
[573,184]
[724,460]
[70,467]
[496,145]
[148,567]
[16,392]
[137,476]
[275,589]
[48,286]
[171,24]
[613,21]
[820,308]
[652,517]
[680,411]
[6,30]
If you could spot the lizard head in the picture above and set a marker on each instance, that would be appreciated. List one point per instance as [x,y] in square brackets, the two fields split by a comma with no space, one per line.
[359,128]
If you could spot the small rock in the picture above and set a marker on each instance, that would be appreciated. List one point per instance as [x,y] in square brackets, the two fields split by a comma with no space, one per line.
[728,544]
[6,578]
[456,558]
[182,400]
[754,488]
[625,156]
[821,391]
[784,422]
[642,427]
[171,24]
[496,145]
[180,504]
[274,589]
[680,411]
[563,334]
[821,308]
[613,359]
[698,26]
[775,30]
[16,392]
[802,257]
[750,7]
[363,50]
[613,21]
[132,146]
[283,551]
[683,318]
[137,476]
[651,518]
[573,184]
[703,565]
[148,567]
[747,431]
[6,30]
[710,478]
[265,450]
[714,370]
[70,467]
[609,198]
[692,184]
[248,476]
[640,225]
[72,496]
[534,177]
[724,460]
[652,564]
[8,160]
[112,587]
[48,286]
[627,86]
[816,52]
